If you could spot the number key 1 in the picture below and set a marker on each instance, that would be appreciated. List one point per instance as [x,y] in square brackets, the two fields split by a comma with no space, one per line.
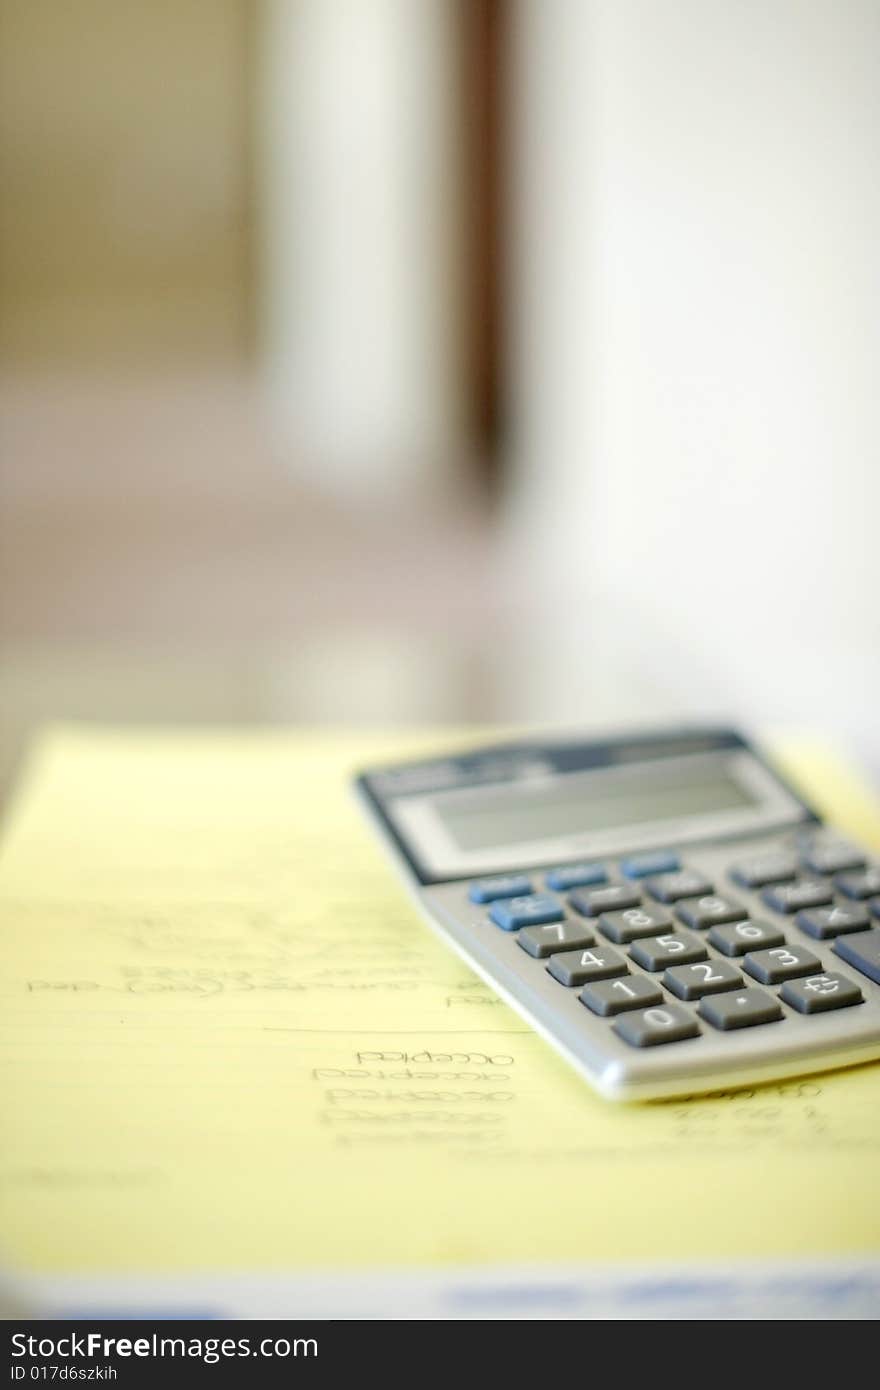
[607,997]
[704,977]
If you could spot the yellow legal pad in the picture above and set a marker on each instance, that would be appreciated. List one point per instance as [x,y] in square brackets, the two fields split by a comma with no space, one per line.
[228,1042]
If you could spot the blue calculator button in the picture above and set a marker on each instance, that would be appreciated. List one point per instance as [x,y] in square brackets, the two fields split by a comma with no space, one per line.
[576,876]
[532,911]
[488,890]
[660,862]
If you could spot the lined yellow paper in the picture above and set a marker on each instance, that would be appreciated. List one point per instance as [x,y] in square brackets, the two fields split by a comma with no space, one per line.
[228,1042]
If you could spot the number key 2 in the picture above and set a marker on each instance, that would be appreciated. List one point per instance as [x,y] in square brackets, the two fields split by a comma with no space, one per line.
[705,977]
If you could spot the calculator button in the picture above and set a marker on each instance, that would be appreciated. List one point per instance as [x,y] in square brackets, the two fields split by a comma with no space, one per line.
[633,923]
[488,890]
[599,900]
[736,938]
[764,869]
[781,963]
[710,910]
[833,859]
[874,905]
[541,942]
[675,948]
[660,862]
[743,1009]
[513,913]
[668,888]
[791,897]
[607,997]
[862,952]
[575,876]
[705,977]
[863,885]
[648,1027]
[820,992]
[826,922]
[580,967]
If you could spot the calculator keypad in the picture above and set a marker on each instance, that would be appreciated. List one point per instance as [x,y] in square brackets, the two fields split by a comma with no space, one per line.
[688,942]
[705,977]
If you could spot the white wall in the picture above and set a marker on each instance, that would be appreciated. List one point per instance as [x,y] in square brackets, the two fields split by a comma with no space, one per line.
[359,183]
[694,374]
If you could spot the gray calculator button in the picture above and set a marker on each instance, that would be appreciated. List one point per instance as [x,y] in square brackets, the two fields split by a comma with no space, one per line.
[710,910]
[826,922]
[579,967]
[742,1009]
[593,902]
[833,858]
[781,963]
[736,938]
[820,992]
[633,923]
[705,977]
[859,885]
[764,869]
[673,948]
[557,936]
[669,888]
[862,952]
[792,897]
[607,997]
[648,1027]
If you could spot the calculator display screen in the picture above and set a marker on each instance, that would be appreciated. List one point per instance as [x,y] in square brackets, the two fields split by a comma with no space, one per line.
[508,807]
[589,801]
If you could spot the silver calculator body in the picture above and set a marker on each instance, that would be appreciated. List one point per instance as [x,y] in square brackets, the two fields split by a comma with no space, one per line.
[662,908]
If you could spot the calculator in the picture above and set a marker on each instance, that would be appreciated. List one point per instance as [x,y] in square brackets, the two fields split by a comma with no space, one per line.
[663,908]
